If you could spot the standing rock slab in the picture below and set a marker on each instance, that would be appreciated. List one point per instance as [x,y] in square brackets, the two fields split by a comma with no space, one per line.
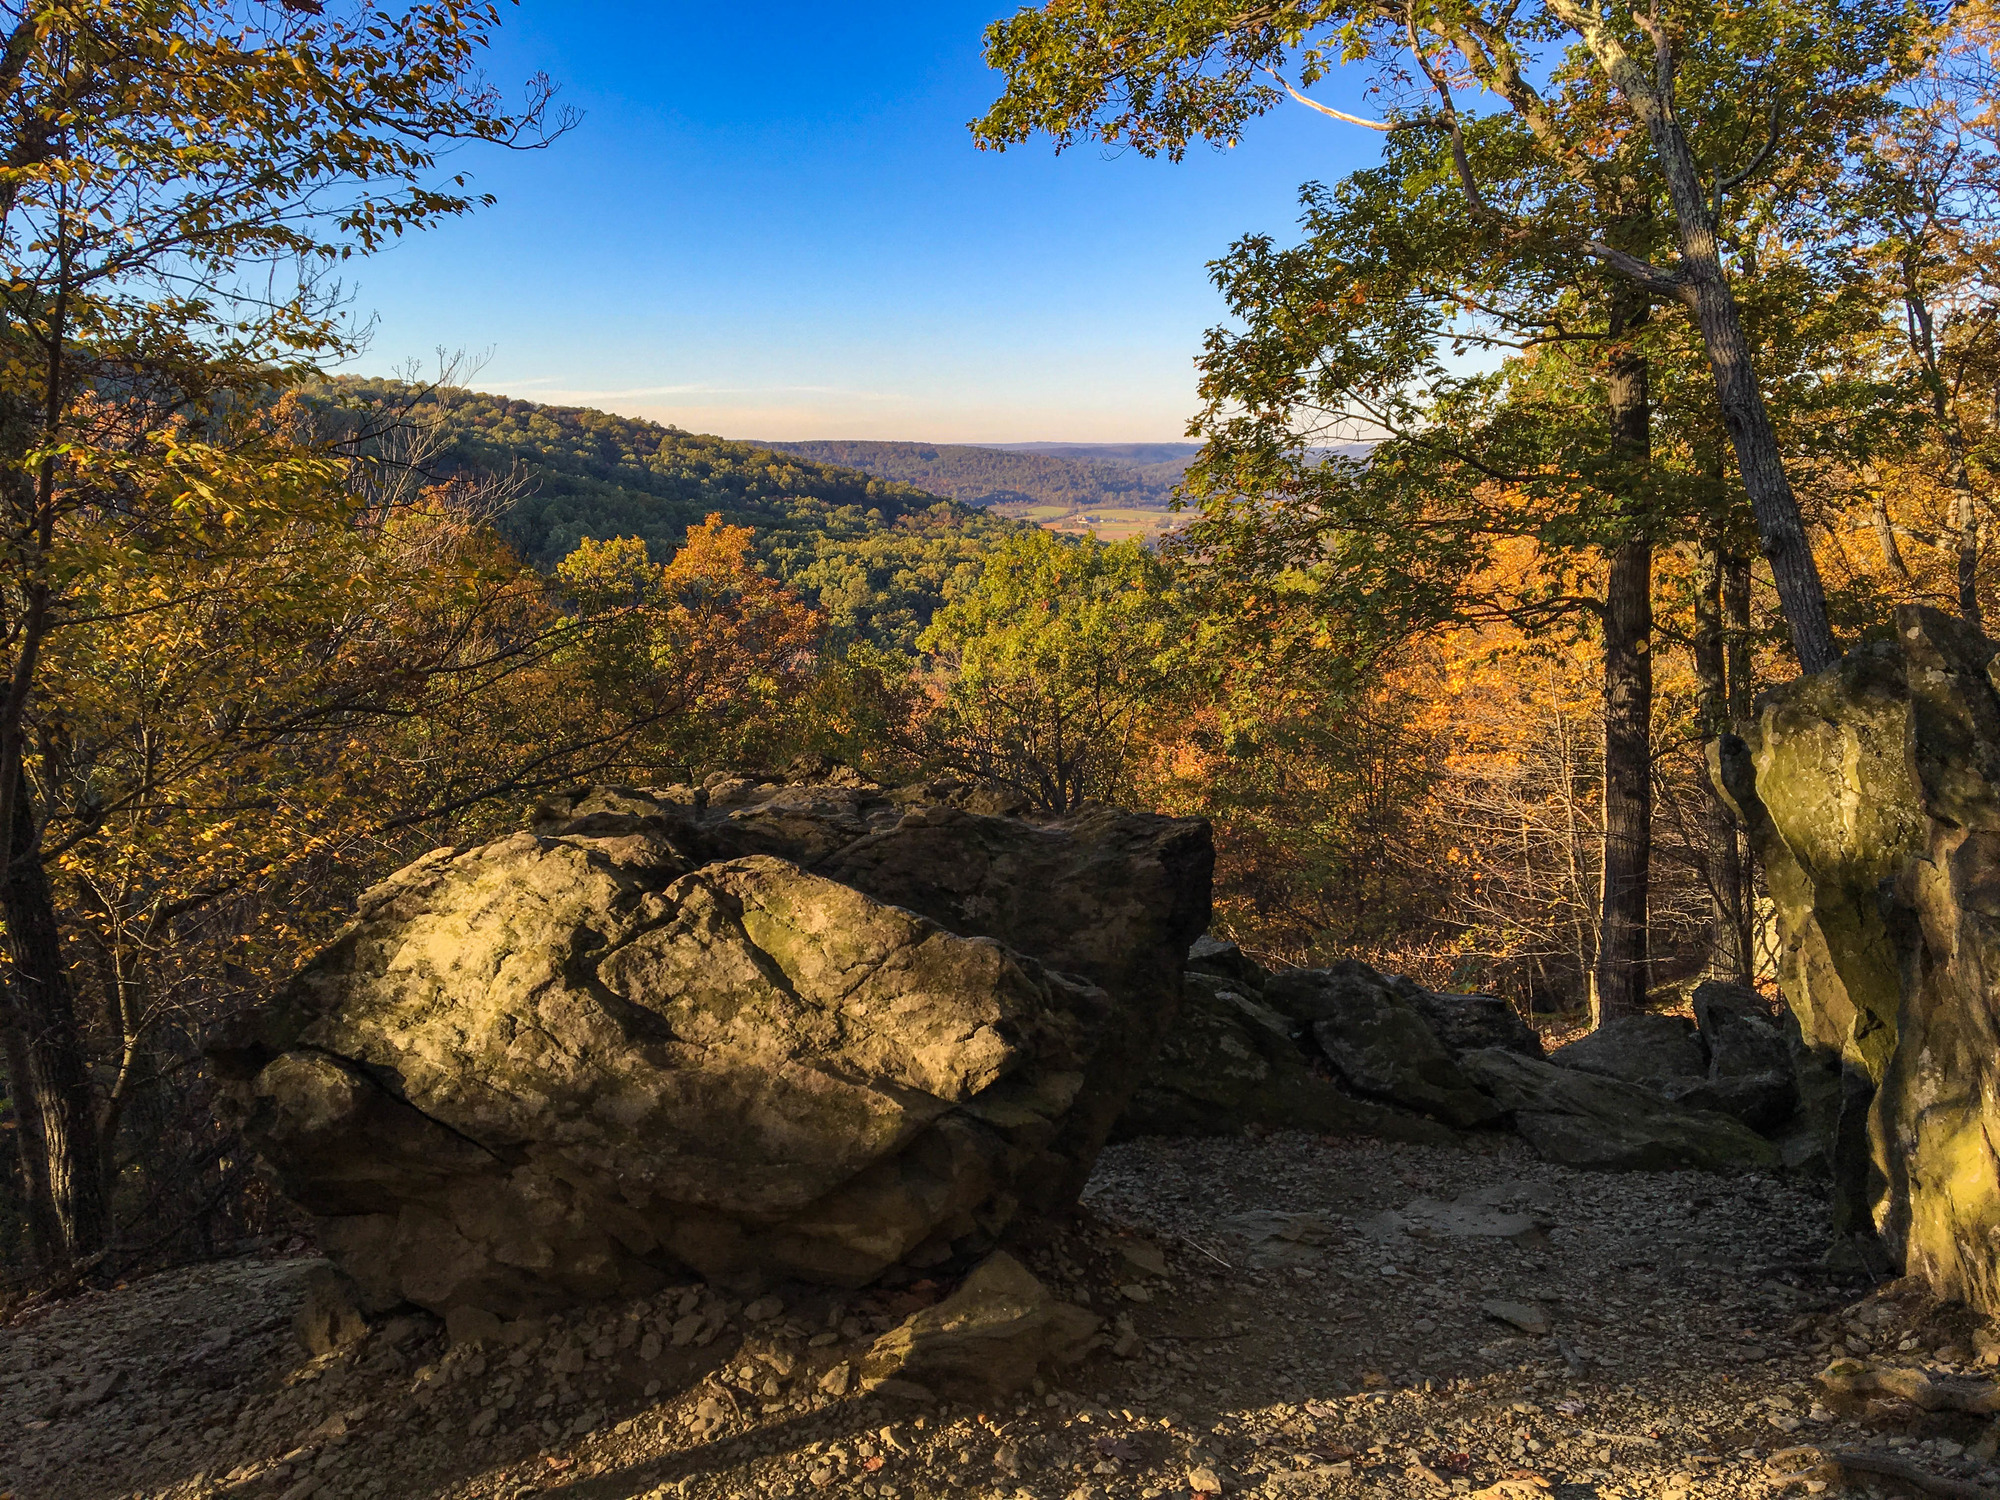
[1872,794]
[1738,1031]
[1588,1121]
[655,1036]
[1750,1070]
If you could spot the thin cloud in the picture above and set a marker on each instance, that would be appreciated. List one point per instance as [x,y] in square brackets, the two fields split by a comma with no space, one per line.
[641,392]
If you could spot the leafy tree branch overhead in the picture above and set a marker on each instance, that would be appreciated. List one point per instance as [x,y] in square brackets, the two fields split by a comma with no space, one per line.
[1713,118]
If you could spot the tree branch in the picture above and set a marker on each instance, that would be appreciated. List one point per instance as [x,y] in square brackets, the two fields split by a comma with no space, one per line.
[1385,126]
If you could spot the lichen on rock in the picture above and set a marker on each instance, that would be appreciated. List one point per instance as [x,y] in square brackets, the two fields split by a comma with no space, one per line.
[763,1031]
[1872,793]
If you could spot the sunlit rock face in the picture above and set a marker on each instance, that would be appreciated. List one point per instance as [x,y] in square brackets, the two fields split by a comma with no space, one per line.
[1872,792]
[807,1031]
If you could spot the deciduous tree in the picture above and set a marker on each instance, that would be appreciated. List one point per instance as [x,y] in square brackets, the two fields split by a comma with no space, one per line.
[1726,106]
[1046,672]
[177,180]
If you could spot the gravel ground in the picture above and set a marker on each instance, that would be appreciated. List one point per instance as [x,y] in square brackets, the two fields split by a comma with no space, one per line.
[1289,1316]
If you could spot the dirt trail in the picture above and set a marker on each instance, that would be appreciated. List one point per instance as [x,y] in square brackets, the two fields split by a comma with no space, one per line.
[1292,1317]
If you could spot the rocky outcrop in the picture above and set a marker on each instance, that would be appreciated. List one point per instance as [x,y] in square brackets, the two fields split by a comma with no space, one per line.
[1352,1051]
[1732,1059]
[1589,1121]
[1750,1072]
[1872,792]
[1460,1023]
[1224,960]
[1379,1042]
[749,1032]
[1643,1049]
[1233,1063]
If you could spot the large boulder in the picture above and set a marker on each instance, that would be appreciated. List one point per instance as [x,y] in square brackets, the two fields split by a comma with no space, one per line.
[1232,1063]
[1590,1121]
[762,1031]
[1379,1042]
[1872,794]
[1763,1101]
[1643,1049]
[1468,1023]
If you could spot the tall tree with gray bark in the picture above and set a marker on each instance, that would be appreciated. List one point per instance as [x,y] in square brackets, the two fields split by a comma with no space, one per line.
[1733,108]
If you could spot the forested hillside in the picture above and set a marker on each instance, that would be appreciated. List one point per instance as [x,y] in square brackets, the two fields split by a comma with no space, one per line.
[873,552]
[1158,463]
[998,476]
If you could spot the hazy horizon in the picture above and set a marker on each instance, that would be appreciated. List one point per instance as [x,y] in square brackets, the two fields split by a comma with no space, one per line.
[824,254]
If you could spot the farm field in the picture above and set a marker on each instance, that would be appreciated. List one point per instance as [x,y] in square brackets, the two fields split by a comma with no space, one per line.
[1109,524]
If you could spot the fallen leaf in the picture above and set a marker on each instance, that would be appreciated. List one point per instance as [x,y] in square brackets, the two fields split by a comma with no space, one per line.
[873,1464]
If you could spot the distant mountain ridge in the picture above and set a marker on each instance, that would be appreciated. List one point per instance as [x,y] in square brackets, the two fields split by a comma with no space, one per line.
[1159,463]
[877,555]
[1134,455]
[1074,476]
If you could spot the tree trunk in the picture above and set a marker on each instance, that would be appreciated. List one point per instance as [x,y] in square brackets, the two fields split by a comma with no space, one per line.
[1885,535]
[1780,527]
[1965,500]
[44,1232]
[1704,288]
[1736,634]
[1619,980]
[1742,702]
[1965,520]
[56,1069]
[1728,957]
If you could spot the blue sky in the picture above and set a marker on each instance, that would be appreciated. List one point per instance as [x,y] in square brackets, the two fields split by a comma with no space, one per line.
[772,223]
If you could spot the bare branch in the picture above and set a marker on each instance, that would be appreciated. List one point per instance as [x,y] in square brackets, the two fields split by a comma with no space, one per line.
[1723,183]
[1661,283]
[1385,126]
[1460,158]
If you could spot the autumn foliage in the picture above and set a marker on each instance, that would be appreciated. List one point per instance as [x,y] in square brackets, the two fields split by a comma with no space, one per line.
[1551,437]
